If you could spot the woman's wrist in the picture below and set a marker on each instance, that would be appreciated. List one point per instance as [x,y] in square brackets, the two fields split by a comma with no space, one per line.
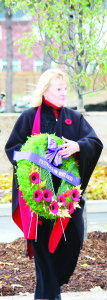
[78,148]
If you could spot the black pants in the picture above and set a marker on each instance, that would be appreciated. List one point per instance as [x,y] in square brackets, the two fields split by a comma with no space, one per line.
[53,270]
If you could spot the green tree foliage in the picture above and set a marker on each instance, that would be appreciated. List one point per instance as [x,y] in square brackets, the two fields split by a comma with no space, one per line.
[77,32]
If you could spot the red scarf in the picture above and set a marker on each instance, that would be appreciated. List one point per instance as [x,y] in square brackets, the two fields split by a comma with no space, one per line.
[55,108]
[29,219]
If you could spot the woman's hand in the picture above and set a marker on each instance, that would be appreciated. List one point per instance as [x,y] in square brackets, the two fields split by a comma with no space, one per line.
[69,148]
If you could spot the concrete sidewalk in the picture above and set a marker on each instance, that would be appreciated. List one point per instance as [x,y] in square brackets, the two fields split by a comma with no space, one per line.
[96,220]
[96,295]
[93,206]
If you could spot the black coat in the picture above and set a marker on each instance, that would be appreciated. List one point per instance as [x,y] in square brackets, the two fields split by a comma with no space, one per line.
[79,131]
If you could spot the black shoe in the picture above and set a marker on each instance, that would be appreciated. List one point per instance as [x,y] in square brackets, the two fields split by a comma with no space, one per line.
[57,297]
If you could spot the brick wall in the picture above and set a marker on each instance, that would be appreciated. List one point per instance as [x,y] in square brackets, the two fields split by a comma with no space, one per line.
[18,28]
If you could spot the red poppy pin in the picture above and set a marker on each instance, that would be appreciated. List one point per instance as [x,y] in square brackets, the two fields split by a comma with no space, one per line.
[68,121]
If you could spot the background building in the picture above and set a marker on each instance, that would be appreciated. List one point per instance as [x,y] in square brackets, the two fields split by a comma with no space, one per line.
[20,23]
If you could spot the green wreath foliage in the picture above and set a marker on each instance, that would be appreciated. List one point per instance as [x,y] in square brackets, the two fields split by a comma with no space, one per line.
[38,144]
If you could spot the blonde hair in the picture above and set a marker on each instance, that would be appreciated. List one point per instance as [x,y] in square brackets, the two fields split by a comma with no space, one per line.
[45,81]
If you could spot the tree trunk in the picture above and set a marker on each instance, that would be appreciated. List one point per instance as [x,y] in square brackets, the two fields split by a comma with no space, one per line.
[46,58]
[80,103]
[9,76]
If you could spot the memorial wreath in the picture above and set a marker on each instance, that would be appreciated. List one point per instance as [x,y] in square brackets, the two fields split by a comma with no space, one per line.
[37,162]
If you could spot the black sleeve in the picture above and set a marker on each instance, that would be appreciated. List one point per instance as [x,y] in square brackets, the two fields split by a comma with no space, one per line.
[21,130]
[90,150]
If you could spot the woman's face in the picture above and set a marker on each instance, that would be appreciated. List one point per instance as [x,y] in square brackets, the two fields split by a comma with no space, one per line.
[57,92]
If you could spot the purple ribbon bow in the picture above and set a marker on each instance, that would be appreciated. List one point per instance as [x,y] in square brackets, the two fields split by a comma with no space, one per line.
[53,156]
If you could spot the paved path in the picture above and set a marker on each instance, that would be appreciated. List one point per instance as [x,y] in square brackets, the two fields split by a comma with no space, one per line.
[96,295]
[10,232]
[96,220]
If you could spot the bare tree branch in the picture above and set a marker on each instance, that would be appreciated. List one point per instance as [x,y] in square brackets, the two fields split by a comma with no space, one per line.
[95,90]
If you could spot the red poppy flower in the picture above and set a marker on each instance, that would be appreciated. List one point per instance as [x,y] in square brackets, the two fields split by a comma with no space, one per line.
[70,207]
[67,193]
[54,207]
[37,195]
[35,177]
[62,200]
[75,195]
[68,121]
[47,195]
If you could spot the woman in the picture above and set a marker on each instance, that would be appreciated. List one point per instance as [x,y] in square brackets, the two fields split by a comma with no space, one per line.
[54,268]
